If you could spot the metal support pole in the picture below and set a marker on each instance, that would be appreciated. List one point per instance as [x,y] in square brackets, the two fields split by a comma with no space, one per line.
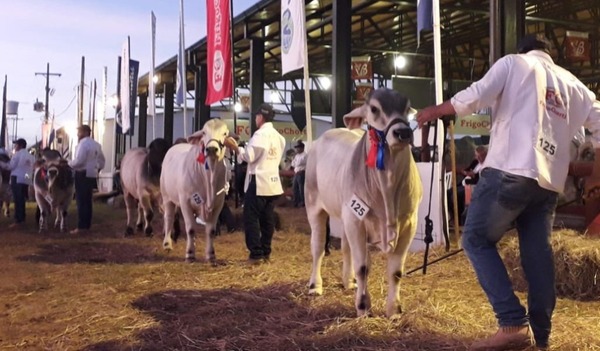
[201,110]
[169,92]
[257,78]
[341,87]
[142,120]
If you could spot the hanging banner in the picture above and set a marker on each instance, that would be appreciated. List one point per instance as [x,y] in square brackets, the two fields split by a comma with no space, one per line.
[218,51]
[151,84]
[362,68]
[293,35]
[129,83]
[181,65]
[363,90]
[124,97]
[577,46]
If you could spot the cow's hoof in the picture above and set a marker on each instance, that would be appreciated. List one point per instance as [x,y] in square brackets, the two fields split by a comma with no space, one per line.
[129,231]
[190,259]
[314,290]
[139,227]
[350,286]
[148,231]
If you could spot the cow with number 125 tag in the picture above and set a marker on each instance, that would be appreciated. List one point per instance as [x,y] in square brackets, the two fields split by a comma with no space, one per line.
[358,207]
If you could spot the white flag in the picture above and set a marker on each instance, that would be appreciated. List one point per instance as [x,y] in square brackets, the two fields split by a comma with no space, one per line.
[181,75]
[293,35]
[125,88]
[151,88]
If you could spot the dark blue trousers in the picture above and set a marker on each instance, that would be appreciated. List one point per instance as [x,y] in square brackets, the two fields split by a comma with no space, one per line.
[84,187]
[19,197]
[259,221]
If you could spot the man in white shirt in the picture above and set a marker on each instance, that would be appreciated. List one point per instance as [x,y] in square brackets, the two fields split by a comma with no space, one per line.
[263,154]
[537,109]
[21,172]
[299,166]
[88,161]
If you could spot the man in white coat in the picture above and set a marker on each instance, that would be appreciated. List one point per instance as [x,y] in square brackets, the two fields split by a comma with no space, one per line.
[263,154]
[88,161]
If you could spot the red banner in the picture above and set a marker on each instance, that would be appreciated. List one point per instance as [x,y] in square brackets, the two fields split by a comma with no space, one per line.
[362,67]
[219,76]
[577,46]
[363,90]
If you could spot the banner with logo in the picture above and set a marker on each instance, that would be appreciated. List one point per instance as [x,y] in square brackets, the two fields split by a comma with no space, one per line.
[362,68]
[218,51]
[151,84]
[473,125]
[181,66]
[288,130]
[293,35]
[129,84]
[125,91]
[577,46]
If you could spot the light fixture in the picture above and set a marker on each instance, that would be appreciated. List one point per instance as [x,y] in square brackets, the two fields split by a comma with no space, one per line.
[325,82]
[237,107]
[400,62]
[71,129]
[155,79]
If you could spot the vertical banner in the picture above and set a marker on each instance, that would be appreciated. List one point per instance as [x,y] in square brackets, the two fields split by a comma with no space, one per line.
[293,35]
[219,77]
[577,46]
[125,91]
[134,69]
[151,83]
[181,71]
[362,67]
[3,124]
[424,17]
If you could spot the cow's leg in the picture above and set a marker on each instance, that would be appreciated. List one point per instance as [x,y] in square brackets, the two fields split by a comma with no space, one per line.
[168,216]
[189,220]
[348,277]
[146,205]
[395,265]
[318,222]
[63,219]
[129,205]
[176,226]
[139,223]
[210,231]
[357,238]
[44,207]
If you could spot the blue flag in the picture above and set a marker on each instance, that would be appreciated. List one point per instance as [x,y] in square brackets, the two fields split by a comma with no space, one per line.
[424,17]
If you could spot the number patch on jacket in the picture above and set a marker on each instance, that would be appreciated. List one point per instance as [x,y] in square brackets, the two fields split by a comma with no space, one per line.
[547,146]
[358,207]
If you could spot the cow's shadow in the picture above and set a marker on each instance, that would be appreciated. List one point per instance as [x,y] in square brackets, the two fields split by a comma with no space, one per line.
[276,317]
[96,252]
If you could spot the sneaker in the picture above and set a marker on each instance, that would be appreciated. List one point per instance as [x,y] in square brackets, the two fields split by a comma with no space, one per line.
[16,225]
[506,338]
[78,231]
[256,261]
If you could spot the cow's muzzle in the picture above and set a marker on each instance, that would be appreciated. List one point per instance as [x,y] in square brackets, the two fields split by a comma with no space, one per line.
[403,134]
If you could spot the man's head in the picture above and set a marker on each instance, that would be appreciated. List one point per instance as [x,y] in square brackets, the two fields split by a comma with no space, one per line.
[534,42]
[299,147]
[19,144]
[83,131]
[264,114]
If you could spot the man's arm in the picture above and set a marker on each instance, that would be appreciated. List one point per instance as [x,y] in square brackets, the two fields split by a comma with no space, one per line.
[80,156]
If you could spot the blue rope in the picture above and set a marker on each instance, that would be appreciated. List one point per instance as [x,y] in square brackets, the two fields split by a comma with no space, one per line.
[380,149]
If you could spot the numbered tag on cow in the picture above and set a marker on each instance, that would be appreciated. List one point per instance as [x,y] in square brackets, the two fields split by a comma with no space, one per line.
[358,207]
[196,199]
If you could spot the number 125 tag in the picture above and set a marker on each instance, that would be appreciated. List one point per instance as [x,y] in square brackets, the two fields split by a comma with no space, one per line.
[358,207]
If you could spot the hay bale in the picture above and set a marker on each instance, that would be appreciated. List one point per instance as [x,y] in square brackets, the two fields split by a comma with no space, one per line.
[576,261]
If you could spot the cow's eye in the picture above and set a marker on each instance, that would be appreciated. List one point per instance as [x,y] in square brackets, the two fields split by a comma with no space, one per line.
[374,110]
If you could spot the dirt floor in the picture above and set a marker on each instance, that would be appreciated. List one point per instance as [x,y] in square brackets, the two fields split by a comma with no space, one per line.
[100,291]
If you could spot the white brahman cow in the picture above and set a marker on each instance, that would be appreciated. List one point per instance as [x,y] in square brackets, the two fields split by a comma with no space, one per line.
[194,181]
[140,180]
[54,186]
[369,181]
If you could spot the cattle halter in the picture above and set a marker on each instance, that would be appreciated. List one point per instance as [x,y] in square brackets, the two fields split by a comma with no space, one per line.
[378,142]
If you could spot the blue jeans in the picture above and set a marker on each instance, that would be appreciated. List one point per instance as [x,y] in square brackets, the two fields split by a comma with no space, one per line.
[500,201]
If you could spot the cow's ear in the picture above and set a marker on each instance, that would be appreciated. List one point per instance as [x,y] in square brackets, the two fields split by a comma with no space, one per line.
[355,118]
[196,137]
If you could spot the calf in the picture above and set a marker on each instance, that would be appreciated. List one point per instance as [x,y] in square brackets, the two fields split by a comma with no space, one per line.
[195,183]
[369,181]
[140,181]
[54,187]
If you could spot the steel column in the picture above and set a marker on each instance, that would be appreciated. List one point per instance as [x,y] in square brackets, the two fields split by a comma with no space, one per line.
[169,96]
[257,78]
[341,88]
[513,22]
[201,111]
[142,119]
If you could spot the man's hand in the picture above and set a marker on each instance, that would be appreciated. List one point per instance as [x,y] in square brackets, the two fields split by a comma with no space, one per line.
[427,114]
[231,143]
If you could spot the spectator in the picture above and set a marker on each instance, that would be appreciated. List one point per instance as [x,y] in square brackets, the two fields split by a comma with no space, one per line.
[299,166]
[471,174]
